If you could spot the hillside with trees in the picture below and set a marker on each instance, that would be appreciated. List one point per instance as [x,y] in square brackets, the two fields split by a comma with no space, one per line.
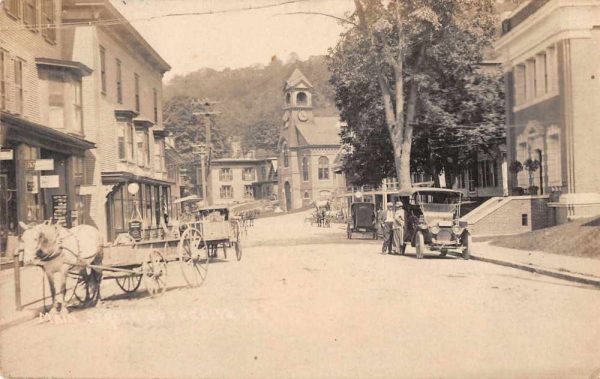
[250,100]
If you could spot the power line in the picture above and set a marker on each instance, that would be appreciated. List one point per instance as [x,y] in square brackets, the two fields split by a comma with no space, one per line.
[115,21]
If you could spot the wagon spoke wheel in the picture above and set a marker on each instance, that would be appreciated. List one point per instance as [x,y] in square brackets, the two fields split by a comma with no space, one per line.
[129,283]
[77,289]
[193,257]
[154,271]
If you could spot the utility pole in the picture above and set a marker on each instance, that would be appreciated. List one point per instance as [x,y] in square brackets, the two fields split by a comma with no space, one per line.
[204,151]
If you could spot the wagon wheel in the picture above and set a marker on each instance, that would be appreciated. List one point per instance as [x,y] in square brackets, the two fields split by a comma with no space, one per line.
[129,283]
[193,258]
[154,271]
[77,289]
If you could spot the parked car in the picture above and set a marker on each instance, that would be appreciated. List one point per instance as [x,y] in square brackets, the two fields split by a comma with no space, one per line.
[433,221]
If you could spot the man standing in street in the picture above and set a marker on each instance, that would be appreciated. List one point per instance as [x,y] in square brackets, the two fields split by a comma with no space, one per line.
[398,234]
[388,231]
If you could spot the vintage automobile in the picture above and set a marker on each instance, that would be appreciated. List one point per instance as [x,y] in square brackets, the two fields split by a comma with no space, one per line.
[433,221]
[362,219]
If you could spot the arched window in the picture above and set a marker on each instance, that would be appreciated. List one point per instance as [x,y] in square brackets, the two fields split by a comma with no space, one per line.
[301,99]
[305,169]
[306,195]
[288,98]
[323,168]
[286,155]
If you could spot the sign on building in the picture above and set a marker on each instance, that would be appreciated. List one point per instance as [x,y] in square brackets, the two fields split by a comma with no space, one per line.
[49,181]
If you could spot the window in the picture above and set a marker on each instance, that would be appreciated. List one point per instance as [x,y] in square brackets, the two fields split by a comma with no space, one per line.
[18,71]
[225,175]
[103,70]
[121,141]
[226,192]
[248,174]
[131,141]
[155,104]
[524,219]
[137,92]
[531,85]
[305,169]
[48,20]
[159,155]
[323,168]
[553,158]
[487,173]
[248,192]
[519,80]
[77,106]
[143,144]
[118,211]
[306,195]
[13,7]
[543,73]
[301,99]
[286,155]
[3,88]
[119,84]
[288,98]
[30,14]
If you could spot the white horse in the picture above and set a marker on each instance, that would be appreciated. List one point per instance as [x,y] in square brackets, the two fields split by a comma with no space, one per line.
[58,250]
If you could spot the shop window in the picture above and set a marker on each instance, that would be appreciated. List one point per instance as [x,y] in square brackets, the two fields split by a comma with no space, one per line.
[248,192]
[323,168]
[48,21]
[118,210]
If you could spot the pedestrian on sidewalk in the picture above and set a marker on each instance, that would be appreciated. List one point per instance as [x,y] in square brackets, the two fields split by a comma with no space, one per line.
[388,229]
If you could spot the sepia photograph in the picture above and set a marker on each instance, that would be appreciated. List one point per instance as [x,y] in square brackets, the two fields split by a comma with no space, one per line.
[299,189]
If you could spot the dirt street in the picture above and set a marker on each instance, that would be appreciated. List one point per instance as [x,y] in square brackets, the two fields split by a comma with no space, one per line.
[306,302]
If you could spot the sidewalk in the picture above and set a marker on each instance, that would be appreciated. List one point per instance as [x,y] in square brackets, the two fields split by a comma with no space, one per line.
[32,295]
[576,269]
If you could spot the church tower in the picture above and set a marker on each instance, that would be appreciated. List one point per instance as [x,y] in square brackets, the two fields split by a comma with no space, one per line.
[298,100]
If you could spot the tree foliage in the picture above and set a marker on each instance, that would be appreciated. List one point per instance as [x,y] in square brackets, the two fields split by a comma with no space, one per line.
[409,68]
[251,98]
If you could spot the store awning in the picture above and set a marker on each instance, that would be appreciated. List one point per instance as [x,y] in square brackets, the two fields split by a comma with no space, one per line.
[18,129]
[126,177]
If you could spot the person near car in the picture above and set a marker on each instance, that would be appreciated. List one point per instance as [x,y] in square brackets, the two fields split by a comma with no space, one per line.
[399,217]
[388,229]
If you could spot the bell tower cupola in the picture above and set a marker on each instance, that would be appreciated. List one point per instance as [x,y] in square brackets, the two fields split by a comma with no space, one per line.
[298,92]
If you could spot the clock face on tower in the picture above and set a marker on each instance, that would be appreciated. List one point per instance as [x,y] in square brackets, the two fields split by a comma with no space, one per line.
[286,116]
[302,116]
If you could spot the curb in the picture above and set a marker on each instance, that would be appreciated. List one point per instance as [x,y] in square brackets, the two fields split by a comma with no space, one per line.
[540,271]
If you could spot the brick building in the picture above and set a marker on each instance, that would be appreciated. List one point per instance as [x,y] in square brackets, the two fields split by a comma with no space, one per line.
[239,180]
[550,51]
[43,134]
[308,147]
[123,116]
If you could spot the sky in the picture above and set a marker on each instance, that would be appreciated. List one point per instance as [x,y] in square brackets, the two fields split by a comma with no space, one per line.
[234,39]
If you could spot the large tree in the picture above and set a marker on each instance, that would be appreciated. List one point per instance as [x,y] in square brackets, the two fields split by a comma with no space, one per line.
[414,55]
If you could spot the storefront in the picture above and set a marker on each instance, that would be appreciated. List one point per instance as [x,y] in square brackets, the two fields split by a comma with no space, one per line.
[39,167]
[151,204]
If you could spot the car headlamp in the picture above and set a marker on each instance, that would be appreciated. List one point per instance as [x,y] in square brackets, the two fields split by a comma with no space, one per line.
[435,229]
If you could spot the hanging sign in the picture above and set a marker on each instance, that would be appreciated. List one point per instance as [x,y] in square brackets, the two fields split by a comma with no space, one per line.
[44,165]
[135,229]
[49,181]
[59,209]
[6,155]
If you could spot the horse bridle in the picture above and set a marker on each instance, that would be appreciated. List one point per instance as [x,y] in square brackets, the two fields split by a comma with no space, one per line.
[57,251]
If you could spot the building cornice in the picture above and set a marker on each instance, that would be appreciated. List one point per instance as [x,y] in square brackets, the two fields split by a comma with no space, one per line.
[142,123]
[76,67]
[125,115]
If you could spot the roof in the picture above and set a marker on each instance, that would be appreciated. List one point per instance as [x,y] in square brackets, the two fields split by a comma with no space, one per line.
[410,191]
[324,131]
[296,78]
[240,160]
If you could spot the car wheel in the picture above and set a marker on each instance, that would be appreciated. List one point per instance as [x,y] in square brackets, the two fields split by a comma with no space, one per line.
[420,245]
[467,241]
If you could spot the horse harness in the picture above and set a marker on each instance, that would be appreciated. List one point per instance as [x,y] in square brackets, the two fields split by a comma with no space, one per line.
[59,248]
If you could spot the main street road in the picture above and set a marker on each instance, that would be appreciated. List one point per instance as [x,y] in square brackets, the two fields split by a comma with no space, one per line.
[306,302]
